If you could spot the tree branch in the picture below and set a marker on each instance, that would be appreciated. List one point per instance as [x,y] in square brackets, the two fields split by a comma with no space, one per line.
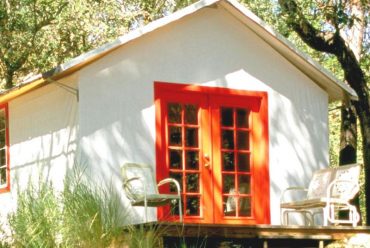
[318,40]
[353,74]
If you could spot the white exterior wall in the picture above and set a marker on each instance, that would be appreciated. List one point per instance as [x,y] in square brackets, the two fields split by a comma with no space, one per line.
[209,48]
[43,127]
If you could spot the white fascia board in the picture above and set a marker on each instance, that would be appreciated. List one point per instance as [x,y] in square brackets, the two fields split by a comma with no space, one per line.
[324,78]
[335,88]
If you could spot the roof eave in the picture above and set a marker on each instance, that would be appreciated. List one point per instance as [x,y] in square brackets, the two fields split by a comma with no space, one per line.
[79,62]
[336,89]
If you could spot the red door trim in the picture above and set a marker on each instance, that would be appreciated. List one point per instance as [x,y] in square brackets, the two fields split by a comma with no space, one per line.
[258,103]
[7,152]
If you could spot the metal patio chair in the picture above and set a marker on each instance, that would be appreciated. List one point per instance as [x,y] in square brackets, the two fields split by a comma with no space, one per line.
[331,190]
[142,190]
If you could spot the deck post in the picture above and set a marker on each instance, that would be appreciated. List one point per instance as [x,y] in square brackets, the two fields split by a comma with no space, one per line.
[321,244]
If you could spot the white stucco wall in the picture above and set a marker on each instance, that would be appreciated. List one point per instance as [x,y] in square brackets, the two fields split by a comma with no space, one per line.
[43,127]
[209,48]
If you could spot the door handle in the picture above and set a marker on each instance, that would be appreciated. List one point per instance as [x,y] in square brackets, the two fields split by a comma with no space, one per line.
[207,162]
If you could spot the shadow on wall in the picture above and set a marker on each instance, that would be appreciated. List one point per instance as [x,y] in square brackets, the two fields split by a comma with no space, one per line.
[297,139]
[107,149]
[117,119]
[299,145]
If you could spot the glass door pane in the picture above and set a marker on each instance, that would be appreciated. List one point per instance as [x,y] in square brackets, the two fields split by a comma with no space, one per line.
[183,151]
[214,142]
[235,159]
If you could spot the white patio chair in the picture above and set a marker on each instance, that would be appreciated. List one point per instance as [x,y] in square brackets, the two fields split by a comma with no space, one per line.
[142,190]
[331,190]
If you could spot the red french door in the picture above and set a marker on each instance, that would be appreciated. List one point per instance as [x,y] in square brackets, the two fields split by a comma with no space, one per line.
[214,142]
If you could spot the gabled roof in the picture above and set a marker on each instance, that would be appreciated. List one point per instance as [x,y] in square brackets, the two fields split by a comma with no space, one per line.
[335,88]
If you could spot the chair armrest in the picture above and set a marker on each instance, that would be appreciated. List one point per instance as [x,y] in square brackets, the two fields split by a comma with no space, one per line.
[350,186]
[129,180]
[290,190]
[171,180]
[128,190]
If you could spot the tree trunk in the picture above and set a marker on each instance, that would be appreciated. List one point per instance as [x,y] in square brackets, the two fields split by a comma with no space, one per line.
[9,79]
[364,117]
[348,144]
[356,79]
[332,42]
[348,135]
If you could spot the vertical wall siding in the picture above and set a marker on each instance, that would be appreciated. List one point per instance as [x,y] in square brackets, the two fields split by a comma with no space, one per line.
[43,129]
[209,48]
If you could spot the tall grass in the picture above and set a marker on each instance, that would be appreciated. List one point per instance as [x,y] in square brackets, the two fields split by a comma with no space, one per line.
[36,222]
[82,215]
[144,236]
[91,216]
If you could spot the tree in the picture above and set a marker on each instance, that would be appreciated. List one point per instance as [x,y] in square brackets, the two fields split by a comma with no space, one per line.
[20,24]
[37,35]
[340,28]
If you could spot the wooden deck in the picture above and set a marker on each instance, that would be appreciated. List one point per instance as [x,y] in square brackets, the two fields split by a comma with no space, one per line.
[264,236]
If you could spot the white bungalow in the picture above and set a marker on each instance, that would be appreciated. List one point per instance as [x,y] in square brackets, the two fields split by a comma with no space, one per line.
[209,95]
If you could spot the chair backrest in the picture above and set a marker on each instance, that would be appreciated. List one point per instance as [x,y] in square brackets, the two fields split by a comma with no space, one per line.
[342,189]
[135,189]
[319,183]
[323,178]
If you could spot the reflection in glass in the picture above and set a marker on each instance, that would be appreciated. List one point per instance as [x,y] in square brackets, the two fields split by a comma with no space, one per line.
[175,207]
[2,138]
[175,136]
[243,140]
[229,205]
[192,160]
[245,206]
[178,178]
[227,117]
[244,184]
[2,175]
[192,182]
[228,185]
[192,205]
[191,114]
[2,119]
[227,139]
[175,159]
[2,157]
[174,112]
[243,162]
[242,118]
[228,161]
[191,137]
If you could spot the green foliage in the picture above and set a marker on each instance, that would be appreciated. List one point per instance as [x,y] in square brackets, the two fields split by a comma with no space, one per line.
[21,24]
[37,219]
[144,236]
[268,11]
[91,215]
[37,35]
[334,133]
[82,215]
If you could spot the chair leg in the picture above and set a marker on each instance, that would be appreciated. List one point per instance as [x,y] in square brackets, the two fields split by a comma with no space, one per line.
[285,217]
[282,221]
[308,218]
[325,215]
[146,210]
[180,211]
[354,216]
